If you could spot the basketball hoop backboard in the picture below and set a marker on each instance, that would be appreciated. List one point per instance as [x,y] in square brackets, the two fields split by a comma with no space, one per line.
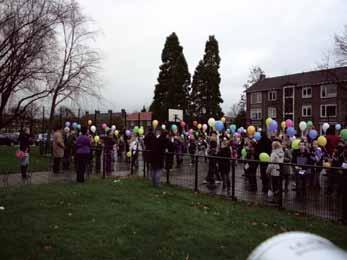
[175,115]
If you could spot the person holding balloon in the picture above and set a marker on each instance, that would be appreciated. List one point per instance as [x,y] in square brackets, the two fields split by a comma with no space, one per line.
[273,170]
[82,155]
[264,146]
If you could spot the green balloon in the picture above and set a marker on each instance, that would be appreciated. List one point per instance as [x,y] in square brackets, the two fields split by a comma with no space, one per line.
[141,131]
[309,124]
[136,130]
[296,144]
[264,157]
[343,134]
[243,153]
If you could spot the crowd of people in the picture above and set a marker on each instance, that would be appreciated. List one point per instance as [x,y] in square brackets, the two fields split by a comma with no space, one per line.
[164,149]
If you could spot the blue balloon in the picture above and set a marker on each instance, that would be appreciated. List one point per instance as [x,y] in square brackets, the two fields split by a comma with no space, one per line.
[74,125]
[273,127]
[291,131]
[67,124]
[338,127]
[219,126]
[313,134]
[174,127]
[257,136]
[233,128]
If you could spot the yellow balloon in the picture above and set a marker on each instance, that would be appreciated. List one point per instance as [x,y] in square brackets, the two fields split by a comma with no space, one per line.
[199,126]
[155,123]
[96,139]
[322,141]
[251,130]
[268,121]
[283,124]
[129,154]
[116,133]
[223,119]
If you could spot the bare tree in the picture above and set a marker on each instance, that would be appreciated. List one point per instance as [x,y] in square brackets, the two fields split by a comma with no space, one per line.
[341,47]
[234,110]
[26,34]
[75,62]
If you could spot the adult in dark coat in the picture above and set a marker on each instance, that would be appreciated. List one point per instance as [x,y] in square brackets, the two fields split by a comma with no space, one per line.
[158,145]
[263,146]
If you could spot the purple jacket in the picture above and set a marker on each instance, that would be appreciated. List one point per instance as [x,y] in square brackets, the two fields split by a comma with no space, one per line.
[83,145]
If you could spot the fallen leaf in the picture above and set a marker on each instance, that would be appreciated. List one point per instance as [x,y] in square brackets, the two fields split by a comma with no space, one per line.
[56,227]
[70,214]
[2,208]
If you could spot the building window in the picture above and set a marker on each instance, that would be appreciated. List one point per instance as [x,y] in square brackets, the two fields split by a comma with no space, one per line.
[256,114]
[328,110]
[307,92]
[306,111]
[328,91]
[271,111]
[272,95]
[289,92]
[256,98]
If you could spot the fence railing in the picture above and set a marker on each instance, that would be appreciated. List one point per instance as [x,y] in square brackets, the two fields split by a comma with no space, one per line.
[309,189]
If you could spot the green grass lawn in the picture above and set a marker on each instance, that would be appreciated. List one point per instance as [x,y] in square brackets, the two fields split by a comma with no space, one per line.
[131,220]
[9,163]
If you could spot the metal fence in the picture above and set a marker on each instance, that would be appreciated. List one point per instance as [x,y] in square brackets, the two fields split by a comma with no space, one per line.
[294,192]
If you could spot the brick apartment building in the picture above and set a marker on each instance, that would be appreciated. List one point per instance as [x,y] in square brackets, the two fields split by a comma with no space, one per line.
[319,96]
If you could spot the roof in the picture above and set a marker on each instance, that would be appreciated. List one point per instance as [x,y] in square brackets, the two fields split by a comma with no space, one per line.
[310,78]
[144,116]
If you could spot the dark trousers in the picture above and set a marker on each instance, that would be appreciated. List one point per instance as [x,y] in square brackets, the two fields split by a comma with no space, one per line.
[264,177]
[23,170]
[82,162]
[275,180]
[97,163]
[251,174]
[56,165]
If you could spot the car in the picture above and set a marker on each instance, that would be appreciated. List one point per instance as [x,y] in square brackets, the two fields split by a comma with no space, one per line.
[9,139]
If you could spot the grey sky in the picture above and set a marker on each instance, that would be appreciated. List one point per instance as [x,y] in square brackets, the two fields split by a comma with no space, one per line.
[280,36]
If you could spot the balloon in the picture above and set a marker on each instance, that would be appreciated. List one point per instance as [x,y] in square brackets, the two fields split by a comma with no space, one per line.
[107,129]
[74,125]
[78,126]
[219,126]
[174,128]
[243,153]
[93,128]
[309,124]
[183,124]
[211,122]
[268,121]
[96,139]
[322,141]
[204,127]
[273,126]
[223,119]
[257,136]
[128,133]
[129,154]
[190,131]
[313,134]
[296,144]
[338,127]
[136,130]
[66,129]
[199,126]
[283,124]
[195,123]
[113,127]
[291,131]
[302,126]
[240,130]
[90,122]
[155,123]
[116,133]
[233,128]
[325,127]
[343,134]
[141,131]
[67,124]
[264,157]
[103,126]
[163,126]
[250,130]
[289,123]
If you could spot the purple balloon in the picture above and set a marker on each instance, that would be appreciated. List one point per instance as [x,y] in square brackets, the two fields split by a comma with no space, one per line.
[273,127]
[291,131]
[128,133]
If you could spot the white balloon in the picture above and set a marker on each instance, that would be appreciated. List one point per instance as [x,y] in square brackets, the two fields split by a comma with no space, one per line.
[204,127]
[163,127]
[302,126]
[66,129]
[93,128]
[113,127]
[325,127]
[211,122]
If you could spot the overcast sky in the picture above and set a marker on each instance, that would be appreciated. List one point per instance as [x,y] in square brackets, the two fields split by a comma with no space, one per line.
[282,37]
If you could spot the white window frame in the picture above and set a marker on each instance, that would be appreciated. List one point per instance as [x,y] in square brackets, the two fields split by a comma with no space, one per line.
[257,111]
[305,107]
[272,112]
[326,91]
[305,95]
[258,98]
[326,105]
[272,95]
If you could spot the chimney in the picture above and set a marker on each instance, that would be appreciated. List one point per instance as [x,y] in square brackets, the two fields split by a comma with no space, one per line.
[262,77]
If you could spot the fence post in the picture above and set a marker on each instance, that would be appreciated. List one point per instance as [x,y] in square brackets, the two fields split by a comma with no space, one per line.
[196,189]
[280,195]
[344,197]
[233,197]
[132,162]
[167,171]
[103,163]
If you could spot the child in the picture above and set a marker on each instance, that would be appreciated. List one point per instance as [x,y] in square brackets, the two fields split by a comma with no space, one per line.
[224,164]
[192,148]
[273,170]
